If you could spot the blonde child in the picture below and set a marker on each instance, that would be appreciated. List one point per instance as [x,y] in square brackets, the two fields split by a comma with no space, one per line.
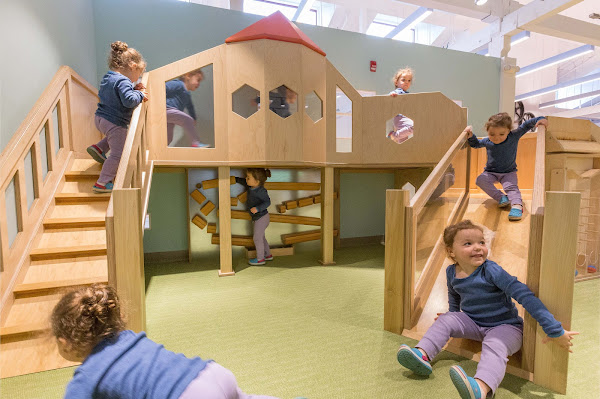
[178,99]
[403,126]
[501,145]
[118,98]
[258,202]
[481,309]
[118,363]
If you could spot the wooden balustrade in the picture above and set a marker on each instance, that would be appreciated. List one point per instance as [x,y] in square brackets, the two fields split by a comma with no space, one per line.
[32,165]
[125,219]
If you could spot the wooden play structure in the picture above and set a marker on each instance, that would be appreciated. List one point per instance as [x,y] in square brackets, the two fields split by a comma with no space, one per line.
[56,234]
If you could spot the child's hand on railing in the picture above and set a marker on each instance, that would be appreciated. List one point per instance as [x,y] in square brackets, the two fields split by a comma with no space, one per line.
[469,130]
[543,122]
[140,86]
[394,94]
[564,341]
[145,93]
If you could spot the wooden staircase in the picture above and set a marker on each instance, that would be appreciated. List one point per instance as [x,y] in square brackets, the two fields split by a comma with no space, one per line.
[69,250]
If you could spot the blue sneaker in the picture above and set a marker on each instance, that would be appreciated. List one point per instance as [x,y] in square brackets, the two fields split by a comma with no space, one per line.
[504,202]
[515,214]
[255,262]
[99,188]
[96,153]
[414,360]
[466,386]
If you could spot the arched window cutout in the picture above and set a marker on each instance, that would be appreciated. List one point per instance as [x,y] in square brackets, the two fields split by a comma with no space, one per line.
[343,121]
[411,189]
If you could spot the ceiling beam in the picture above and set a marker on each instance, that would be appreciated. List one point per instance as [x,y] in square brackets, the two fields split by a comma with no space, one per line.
[594,110]
[526,17]
[410,21]
[569,29]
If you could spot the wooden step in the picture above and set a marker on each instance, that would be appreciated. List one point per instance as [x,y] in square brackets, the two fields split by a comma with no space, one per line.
[78,186]
[311,235]
[31,310]
[77,198]
[47,287]
[278,218]
[24,331]
[67,223]
[67,252]
[74,175]
[582,147]
[33,355]
[85,164]
[65,269]
[92,209]
[242,241]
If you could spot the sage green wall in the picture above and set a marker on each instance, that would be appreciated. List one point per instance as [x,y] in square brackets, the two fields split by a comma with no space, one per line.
[38,37]
[168,213]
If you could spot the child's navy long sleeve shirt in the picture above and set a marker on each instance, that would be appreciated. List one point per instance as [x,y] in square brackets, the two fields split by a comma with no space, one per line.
[179,97]
[502,158]
[257,197]
[485,296]
[117,99]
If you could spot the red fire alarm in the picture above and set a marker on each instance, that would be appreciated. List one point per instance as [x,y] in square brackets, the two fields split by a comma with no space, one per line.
[373,66]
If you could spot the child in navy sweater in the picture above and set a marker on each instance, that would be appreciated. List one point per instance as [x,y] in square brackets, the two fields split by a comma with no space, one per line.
[179,99]
[501,145]
[119,363]
[258,202]
[481,309]
[118,98]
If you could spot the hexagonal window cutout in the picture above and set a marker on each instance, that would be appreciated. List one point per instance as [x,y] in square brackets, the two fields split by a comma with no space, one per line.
[399,128]
[283,101]
[313,106]
[245,100]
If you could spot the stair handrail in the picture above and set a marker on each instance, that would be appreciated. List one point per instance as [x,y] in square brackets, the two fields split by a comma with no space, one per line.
[125,218]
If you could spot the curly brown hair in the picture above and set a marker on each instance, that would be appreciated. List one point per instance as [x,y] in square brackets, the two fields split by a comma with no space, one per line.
[124,57]
[259,174]
[451,231]
[499,120]
[400,72]
[86,316]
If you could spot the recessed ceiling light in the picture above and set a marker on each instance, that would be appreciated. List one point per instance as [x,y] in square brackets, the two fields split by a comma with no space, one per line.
[480,2]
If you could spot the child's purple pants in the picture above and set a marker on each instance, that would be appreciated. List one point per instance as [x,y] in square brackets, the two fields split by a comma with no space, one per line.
[216,382]
[176,117]
[486,181]
[497,343]
[114,140]
[260,241]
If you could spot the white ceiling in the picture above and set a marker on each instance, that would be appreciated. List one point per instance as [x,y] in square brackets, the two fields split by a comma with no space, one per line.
[469,27]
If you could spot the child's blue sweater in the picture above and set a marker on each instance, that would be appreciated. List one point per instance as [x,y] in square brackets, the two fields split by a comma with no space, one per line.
[117,98]
[502,158]
[179,97]
[485,296]
[133,366]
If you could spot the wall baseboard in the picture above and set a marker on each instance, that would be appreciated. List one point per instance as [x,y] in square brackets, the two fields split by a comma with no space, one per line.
[171,256]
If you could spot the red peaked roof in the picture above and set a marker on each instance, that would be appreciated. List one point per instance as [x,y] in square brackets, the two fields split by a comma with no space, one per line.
[275,27]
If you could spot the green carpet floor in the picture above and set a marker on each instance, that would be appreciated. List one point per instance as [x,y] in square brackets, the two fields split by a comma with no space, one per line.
[295,328]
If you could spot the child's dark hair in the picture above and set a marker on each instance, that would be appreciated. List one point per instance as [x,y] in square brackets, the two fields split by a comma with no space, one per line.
[499,120]
[451,231]
[259,174]
[122,57]
[86,316]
